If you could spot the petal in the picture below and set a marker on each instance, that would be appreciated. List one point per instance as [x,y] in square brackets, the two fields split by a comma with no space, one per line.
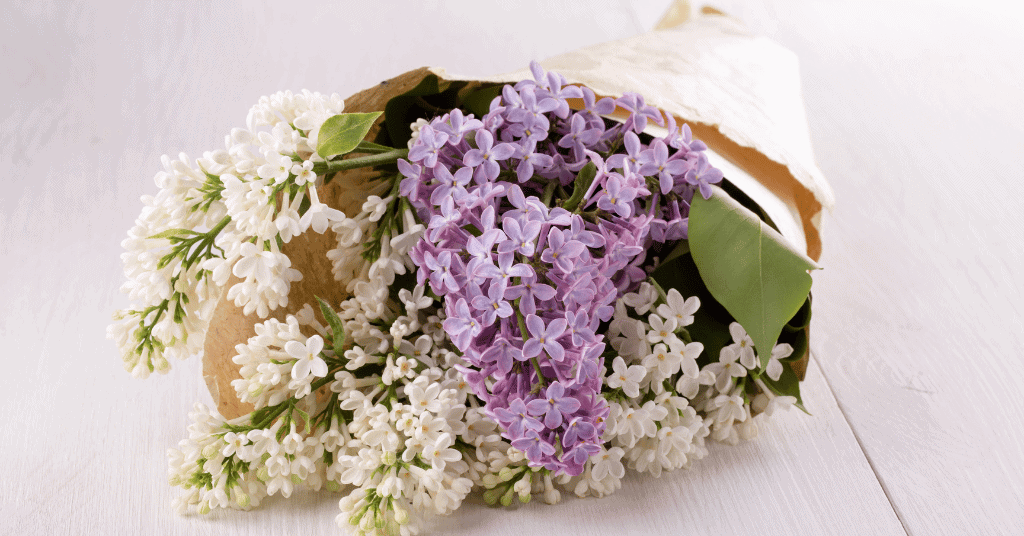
[319,368]
[300,369]
[537,406]
[295,349]
[315,344]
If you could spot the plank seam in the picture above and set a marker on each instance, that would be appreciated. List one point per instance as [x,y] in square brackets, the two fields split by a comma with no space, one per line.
[860,444]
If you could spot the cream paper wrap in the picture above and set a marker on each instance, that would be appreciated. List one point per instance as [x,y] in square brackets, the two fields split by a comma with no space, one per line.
[739,93]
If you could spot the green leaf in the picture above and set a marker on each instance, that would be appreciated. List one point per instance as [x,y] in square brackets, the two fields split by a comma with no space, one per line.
[337,328]
[171,233]
[583,181]
[343,132]
[755,273]
[745,200]
[368,147]
[479,101]
[682,248]
[802,318]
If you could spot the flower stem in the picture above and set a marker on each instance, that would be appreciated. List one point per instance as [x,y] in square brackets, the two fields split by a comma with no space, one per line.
[334,166]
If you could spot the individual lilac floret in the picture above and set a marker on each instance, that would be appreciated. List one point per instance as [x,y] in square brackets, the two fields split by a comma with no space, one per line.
[428,146]
[554,406]
[486,156]
[561,251]
[544,338]
[616,198]
[655,161]
[703,176]
[516,419]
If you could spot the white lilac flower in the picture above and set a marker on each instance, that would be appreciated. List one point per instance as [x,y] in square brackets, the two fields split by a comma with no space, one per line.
[319,216]
[727,368]
[626,377]
[766,402]
[662,363]
[303,172]
[774,368]
[307,358]
[660,330]
[678,308]
[441,453]
[744,345]
[609,463]
[415,301]
[643,299]
[688,386]
[375,207]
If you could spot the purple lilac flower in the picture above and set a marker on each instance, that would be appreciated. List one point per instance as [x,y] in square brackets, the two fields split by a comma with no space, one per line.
[460,325]
[450,185]
[531,160]
[505,304]
[484,158]
[516,419]
[428,146]
[580,428]
[457,125]
[616,198]
[493,305]
[656,161]
[579,136]
[640,112]
[544,338]
[528,292]
[561,251]
[554,406]
[520,237]
[503,354]
[534,445]
[703,176]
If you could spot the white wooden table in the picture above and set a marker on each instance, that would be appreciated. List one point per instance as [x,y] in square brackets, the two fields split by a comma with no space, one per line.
[916,116]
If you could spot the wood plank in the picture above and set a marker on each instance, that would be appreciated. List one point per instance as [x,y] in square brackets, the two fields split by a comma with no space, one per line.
[916,119]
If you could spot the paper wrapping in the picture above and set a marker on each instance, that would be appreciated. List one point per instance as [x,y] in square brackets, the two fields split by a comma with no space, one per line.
[739,93]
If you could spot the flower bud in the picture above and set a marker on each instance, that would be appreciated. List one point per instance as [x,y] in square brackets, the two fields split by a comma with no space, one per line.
[401,514]
[211,450]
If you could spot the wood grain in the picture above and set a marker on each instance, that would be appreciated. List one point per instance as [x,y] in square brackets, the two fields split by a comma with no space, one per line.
[917,316]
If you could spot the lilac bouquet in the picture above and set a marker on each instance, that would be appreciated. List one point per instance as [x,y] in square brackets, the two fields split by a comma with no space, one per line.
[536,297]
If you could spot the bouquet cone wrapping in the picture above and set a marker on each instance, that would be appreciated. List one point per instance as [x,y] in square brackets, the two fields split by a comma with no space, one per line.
[739,93]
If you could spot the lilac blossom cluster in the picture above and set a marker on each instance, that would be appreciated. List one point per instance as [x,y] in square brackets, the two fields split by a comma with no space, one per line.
[530,256]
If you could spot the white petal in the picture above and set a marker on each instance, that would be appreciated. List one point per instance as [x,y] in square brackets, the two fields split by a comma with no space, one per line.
[295,349]
[315,344]
[319,367]
[300,369]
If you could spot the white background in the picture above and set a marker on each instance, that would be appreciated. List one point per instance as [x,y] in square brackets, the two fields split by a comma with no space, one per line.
[916,382]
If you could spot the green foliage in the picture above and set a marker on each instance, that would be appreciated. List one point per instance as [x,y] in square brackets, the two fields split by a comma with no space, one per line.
[682,248]
[755,273]
[341,133]
[478,102]
[580,186]
[430,98]
[337,327]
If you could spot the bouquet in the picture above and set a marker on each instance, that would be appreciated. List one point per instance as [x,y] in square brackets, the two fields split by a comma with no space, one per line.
[442,286]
